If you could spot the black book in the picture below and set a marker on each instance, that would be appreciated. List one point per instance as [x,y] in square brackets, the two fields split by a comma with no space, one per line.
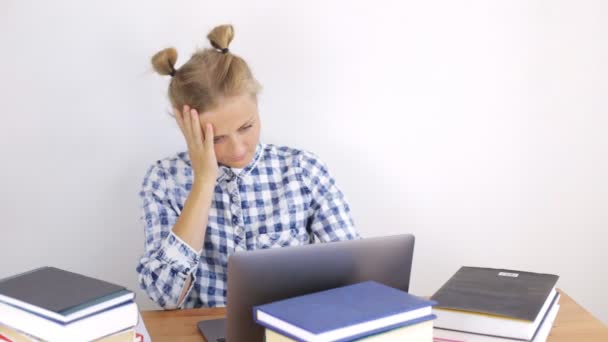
[60,295]
[496,302]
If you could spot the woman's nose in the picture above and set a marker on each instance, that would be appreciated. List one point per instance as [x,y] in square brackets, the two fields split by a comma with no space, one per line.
[238,148]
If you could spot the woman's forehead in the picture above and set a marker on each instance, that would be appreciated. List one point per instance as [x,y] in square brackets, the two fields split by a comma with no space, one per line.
[231,115]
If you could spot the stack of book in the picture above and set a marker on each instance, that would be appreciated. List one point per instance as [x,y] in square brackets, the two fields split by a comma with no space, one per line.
[367,311]
[486,304]
[50,304]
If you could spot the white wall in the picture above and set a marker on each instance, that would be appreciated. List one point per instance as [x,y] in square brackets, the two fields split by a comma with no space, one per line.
[475,125]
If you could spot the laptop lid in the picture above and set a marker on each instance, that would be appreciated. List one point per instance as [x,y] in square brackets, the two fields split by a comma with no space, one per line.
[263,276]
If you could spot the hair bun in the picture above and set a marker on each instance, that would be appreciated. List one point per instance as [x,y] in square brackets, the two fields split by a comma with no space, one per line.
[163,61]
[221,36]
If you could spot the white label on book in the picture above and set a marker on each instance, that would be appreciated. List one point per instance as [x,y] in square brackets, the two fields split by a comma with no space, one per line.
[507,274]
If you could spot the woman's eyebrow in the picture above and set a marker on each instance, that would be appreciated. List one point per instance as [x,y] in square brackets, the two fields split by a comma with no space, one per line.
[251,120]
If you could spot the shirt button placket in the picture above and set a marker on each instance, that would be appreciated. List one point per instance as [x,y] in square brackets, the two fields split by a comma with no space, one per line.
[235,209]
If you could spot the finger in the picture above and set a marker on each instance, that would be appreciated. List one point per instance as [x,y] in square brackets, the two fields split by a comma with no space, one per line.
[197,133]
[209,137]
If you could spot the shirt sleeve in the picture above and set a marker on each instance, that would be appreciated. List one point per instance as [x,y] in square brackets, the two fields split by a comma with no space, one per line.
[330,218]
[167,261]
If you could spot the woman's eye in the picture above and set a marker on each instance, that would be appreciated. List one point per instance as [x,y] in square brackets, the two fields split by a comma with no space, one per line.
[246,127]
[217,140]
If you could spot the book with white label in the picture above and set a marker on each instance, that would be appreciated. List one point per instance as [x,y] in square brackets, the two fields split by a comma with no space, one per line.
[444,335]
[496,302]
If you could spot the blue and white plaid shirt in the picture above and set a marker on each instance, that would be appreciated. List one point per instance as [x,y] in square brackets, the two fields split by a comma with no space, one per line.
[284,197]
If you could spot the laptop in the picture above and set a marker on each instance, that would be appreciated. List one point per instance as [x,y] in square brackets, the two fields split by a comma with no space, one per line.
[263,276]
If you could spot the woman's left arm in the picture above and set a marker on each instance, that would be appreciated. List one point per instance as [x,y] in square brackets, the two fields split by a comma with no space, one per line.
[329,217]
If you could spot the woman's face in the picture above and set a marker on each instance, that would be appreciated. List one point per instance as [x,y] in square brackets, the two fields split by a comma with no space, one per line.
[236,127]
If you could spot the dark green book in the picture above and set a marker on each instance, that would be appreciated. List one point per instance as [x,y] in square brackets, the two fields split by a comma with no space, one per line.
[60,295]
[495,302]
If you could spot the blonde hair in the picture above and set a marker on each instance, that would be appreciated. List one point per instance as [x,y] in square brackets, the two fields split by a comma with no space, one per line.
[210,75]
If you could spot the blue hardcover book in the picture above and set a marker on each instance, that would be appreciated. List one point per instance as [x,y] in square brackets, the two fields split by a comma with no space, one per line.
[344,313]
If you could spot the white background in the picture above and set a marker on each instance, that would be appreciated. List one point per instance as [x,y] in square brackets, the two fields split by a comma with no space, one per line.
[478,126]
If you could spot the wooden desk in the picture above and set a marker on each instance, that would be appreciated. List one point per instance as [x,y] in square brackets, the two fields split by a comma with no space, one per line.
[573,323]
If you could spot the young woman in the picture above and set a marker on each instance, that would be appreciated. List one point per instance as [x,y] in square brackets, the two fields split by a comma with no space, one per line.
[229,192]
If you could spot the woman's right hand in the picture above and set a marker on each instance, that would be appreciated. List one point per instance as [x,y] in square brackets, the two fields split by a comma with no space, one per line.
[200,145]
